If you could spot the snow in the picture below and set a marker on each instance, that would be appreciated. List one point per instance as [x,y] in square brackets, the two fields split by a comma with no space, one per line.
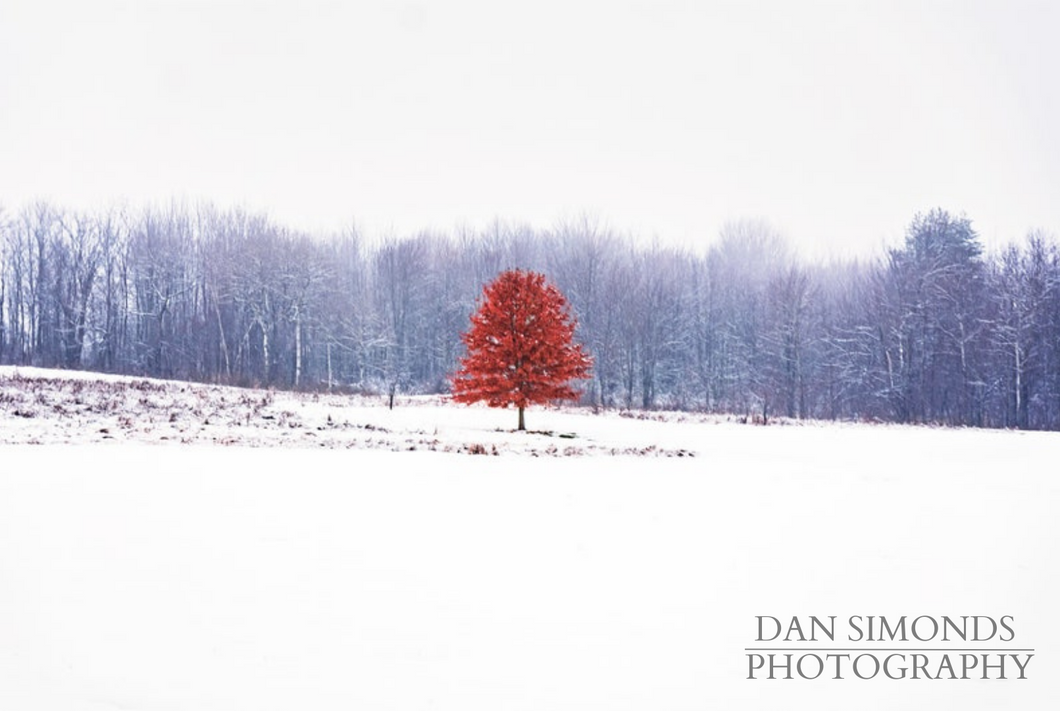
[140,573]
[55,407]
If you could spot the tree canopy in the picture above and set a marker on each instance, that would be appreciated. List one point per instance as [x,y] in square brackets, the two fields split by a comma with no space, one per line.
[520,347]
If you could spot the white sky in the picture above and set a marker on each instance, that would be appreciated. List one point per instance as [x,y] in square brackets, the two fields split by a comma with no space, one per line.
[834,121]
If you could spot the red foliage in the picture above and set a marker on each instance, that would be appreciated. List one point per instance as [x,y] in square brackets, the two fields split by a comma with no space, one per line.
[520,347]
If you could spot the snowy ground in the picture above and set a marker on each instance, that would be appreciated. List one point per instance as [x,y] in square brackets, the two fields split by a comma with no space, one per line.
[54,407]
[334,569]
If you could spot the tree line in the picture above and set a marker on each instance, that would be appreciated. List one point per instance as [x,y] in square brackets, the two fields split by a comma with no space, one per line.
[931,331]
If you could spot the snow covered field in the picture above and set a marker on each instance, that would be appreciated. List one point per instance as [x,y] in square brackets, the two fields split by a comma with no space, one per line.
[327,566]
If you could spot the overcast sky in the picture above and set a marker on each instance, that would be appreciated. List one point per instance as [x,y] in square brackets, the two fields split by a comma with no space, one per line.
[834,121]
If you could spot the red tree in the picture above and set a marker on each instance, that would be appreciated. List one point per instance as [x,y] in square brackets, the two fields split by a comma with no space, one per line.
[520,347]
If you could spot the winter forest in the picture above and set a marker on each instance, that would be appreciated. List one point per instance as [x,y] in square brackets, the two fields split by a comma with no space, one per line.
[934,330]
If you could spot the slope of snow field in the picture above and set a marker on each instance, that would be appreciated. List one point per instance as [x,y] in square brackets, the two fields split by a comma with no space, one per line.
[139,575]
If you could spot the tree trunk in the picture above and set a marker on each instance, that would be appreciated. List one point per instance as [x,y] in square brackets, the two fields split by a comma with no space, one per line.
[265,351]
[522,419]
[297,350]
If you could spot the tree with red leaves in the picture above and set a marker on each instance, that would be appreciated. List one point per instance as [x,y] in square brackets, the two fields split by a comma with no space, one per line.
[520,347]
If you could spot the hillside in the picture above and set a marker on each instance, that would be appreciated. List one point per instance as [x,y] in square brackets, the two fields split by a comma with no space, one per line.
[39,406]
